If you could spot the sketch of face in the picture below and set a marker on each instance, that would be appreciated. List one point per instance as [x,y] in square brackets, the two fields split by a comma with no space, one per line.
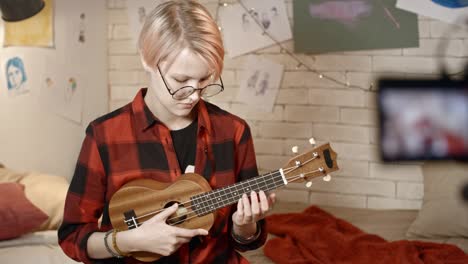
[15,77]
[15,73]
[252,81]
[274,11]
[263,85]
[265,20]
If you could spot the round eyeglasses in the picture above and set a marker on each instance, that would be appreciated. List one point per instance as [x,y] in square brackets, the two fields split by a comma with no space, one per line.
[186,91]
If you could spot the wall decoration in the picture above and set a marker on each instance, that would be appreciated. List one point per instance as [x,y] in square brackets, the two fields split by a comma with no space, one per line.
[137,10]
[441,10]
[16,75]
[37,30]
[260,82]
[239,24]
[62,95]
[341,25]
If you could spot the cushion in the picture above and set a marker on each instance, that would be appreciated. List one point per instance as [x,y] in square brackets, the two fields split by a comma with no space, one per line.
[443,214]
[19,216]
[9,175]
[48,193]
[45,191]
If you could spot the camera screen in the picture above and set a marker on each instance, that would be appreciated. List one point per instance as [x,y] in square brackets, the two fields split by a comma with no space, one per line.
[423,120]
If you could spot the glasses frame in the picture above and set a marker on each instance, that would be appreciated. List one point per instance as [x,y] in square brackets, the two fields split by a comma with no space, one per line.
[188,86]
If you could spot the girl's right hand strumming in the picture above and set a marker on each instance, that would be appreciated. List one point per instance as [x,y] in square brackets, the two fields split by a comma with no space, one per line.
[156,236]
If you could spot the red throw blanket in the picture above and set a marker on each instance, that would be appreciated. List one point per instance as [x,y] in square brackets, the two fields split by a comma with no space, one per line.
[316,236]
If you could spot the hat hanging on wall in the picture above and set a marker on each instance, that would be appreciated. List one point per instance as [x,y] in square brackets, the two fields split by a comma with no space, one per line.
[16,10]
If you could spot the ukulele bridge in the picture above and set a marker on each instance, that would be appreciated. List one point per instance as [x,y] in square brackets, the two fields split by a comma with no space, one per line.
[130,219]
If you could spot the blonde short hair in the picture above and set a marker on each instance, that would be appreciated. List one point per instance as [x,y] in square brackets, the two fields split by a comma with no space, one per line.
[175,25]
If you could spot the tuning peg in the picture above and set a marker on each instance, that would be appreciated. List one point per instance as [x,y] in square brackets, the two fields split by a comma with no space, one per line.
[295,149]
[327,178]
[312,142]
[308,184]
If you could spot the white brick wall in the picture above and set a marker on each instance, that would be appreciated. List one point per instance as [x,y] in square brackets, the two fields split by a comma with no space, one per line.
[308,106]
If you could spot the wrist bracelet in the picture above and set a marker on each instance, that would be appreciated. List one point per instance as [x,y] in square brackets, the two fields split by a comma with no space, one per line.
[247,240]
[114,244]
[107,245]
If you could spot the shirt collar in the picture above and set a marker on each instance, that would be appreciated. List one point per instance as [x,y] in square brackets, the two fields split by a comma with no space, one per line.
[145,119]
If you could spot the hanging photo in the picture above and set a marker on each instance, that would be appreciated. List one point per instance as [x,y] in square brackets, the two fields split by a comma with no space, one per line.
[243,30]
[340,25]
[260,83]
[454,12]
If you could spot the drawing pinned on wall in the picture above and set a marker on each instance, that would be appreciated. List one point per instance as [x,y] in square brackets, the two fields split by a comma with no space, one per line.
[137,10]
[16,76]
[237,23]
[73,99]
[261,80]
[37,30]
[453,12]
[62,96]
[70,89]
[343,25]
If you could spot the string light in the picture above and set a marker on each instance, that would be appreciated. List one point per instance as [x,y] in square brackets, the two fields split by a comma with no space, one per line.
[289,53]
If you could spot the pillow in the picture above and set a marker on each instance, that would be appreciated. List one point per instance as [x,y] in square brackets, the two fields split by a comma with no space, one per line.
[48,193]
[443,213]
[8,175]
[19,216]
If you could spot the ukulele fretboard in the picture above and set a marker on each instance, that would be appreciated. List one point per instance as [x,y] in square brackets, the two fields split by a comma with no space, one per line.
[208,202]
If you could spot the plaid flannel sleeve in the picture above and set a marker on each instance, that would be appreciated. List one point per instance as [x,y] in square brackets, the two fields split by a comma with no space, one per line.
[84,201]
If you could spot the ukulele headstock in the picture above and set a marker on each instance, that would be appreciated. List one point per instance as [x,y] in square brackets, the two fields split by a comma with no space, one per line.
[318,162]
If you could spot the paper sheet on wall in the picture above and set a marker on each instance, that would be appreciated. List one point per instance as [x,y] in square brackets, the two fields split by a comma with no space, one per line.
[37,30]
[260,82]
[137,10]
[453,15]
[242,34]
[62,92]
[15,74]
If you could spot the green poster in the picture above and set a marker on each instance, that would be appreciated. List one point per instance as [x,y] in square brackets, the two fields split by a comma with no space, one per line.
[347,25]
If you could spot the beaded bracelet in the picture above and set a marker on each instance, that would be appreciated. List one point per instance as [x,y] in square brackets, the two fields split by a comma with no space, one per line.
[107,245]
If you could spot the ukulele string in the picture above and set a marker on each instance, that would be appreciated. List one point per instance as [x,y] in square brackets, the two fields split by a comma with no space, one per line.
[189,216]
[189,202]
[285,171]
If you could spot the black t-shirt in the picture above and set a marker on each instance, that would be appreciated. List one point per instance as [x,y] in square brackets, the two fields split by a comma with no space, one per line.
[185,144]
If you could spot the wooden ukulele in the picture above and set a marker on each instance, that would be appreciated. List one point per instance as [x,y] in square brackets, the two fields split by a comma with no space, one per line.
[139,200]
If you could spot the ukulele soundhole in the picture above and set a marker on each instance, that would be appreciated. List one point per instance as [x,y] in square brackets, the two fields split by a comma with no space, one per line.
[179,216]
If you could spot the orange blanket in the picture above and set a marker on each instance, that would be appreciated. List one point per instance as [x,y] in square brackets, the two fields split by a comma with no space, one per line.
[315,236]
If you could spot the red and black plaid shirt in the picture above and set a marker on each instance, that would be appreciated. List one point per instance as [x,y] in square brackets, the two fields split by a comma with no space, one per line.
[131,143]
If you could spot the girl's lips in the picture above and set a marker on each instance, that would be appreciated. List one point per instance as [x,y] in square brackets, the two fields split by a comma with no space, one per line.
[186,106]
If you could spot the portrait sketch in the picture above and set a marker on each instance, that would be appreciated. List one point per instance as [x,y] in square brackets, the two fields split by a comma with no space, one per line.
[260,82]
[16,76]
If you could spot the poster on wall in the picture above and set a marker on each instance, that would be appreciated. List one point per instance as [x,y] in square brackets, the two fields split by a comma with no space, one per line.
[243,30]
[261,79]
[37,30]
[16,72]
[340,25]
[454,12]
[62,93]
[137,10]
